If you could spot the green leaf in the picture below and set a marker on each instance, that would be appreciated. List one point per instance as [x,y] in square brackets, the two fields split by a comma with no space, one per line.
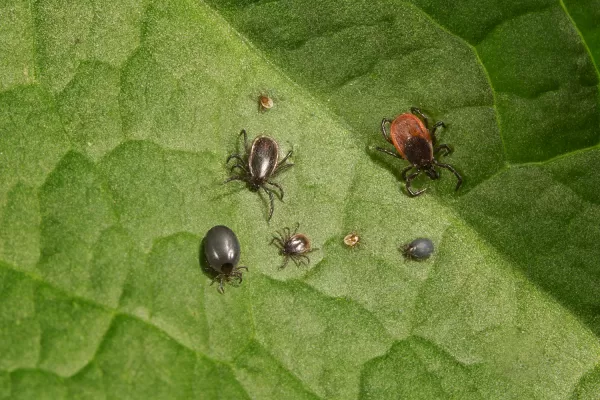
[115,122]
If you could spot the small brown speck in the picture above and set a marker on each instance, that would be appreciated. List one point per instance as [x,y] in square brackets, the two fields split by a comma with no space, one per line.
[352,240]
[265,103]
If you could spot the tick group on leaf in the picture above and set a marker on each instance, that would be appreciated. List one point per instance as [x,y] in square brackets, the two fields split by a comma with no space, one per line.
[260,163]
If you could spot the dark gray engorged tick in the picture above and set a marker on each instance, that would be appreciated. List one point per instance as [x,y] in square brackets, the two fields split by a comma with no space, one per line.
[222,252]
[414,142]
[292,246]
[418,249]
[259,164]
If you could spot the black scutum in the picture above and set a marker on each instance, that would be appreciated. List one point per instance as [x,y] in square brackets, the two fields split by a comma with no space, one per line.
[418,151]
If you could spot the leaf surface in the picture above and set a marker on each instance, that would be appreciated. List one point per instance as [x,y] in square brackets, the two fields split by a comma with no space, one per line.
[115,123]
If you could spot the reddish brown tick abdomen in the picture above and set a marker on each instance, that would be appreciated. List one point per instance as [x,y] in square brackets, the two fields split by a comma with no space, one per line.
[411,138]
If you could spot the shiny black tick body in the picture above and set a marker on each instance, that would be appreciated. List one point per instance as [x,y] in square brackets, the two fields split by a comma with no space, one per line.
[418,249]
[259,164]
[293,246]
[222,252]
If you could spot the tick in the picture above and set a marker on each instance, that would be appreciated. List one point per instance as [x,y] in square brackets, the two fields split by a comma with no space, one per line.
[222,252]
[352,240]
[292,246]
[258,165]
[265,103]
[418,249]
[414,142]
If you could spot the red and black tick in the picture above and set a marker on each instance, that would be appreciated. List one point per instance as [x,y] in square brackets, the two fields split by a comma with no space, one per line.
[259,164]
[414,142]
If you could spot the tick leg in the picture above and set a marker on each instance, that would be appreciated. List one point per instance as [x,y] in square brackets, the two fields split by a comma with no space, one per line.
[240,166]
[391,153]
[282,167]
[235,178]
[286,157]
[283,164]
[283,235]
[243,132]
[451,169]
[276,242]
[417,111]
[443,147]
[305,257]
[384,132]
[435,126]
[278,187]
[409,188]
[296,227]
[272,202]
[238,273]
[220,288]
[405,170]
[285,262]
[236,156]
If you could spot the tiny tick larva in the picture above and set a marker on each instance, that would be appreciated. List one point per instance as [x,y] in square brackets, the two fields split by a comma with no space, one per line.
[265,103]
[352,240]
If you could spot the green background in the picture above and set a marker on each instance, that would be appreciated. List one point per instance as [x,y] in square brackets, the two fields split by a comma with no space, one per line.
[115,122]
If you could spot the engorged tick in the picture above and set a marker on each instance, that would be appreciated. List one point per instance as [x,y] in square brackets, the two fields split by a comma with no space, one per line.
[414,142]
[222,252]
[418,249]
[259,164]
[293,246]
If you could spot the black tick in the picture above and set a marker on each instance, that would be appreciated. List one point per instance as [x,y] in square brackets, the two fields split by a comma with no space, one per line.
[259,164]
[222,252]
